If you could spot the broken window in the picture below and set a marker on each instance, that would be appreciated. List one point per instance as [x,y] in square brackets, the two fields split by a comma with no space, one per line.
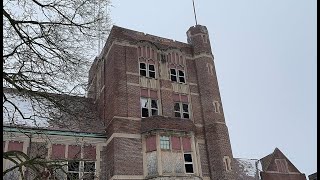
[173,75]
[143,69]
[188,163]
[164,142]
[147,70]
[177,75]
[152,71]
[149,107]
[181,110]
[181,76]
[81,170]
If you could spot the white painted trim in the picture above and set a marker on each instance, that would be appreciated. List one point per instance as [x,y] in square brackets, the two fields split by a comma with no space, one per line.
[128,118]
[122,135]
[126,177]
[275,172]
[194,94]
[124,43]
[202,55]
[134,74]
[198,125]
[166,89]
[193,84]
[133,84]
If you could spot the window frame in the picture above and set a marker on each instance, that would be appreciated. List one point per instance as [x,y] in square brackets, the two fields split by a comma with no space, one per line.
[165,142]
[81,171]
[178,76]
[147,70]
[181,110]
[188,163]
[149,106]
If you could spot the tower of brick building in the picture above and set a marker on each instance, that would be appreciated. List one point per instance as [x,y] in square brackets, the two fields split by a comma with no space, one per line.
[159,100]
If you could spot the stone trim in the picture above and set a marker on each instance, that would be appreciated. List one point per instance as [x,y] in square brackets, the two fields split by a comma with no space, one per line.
[122,135]
[126,177]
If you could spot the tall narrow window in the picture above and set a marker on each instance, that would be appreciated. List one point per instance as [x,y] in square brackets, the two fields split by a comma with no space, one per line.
[143,69]
[164,142]
[173,75]
[188,164]
[149,107]
[152,71]
[154,107]
[227,163]
[181,76]
[181,110]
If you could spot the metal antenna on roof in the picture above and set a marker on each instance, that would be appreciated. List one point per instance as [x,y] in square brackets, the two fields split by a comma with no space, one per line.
[194,11]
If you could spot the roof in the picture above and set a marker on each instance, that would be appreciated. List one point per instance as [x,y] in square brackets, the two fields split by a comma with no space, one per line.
[247,169]
[268,162]
[67,113]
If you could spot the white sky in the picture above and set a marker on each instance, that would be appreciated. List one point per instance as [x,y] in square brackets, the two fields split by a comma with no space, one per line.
[265,56]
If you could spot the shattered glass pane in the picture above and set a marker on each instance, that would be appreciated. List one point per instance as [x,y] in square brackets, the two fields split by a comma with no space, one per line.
[173,78]
[154,112]
[144,112]
[143,66]
[185,115]
[143,72]
[154,104]
[144,102]
[185,108]
[177,107]
[173,71]
[151,67]
[89,166]
[152,74]
[73,165]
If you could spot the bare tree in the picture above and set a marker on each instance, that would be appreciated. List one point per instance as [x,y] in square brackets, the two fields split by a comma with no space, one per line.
[48,45]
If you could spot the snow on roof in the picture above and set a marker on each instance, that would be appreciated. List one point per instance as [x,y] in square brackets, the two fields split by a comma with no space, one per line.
[247,169]
[74,113]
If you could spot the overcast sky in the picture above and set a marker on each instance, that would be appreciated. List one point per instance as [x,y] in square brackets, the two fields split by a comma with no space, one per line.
[265,57]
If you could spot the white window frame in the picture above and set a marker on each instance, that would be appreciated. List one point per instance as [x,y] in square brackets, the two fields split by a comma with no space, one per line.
[185,162]
[181,110]
[165,143]
[81,171]
[149,107]
[147,69]
[177,75]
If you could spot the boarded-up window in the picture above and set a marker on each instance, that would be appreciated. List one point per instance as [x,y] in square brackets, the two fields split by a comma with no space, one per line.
[153,94]
[184,98]
[186,144]
[282,165]
[176,145]
[74,152]
[15,146]
[151,143]
[58,151]
[144,92]
[89,152]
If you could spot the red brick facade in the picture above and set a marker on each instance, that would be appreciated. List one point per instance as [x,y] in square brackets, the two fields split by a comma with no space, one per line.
[133,65]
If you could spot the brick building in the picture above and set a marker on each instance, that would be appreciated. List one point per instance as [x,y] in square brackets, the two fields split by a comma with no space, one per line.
[156,114]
